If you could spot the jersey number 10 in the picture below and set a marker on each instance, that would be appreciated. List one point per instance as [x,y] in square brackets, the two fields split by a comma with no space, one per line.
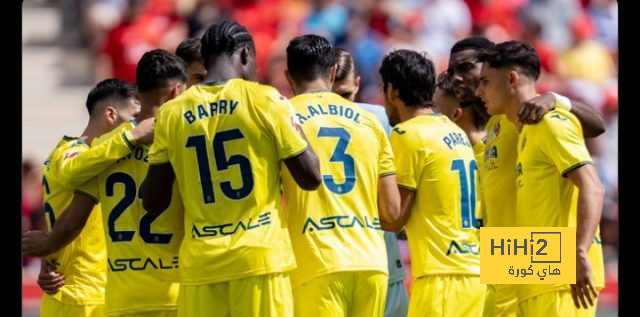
[467,193]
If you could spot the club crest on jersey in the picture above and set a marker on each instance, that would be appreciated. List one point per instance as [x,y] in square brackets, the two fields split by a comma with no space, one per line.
[495,132]
[491,153]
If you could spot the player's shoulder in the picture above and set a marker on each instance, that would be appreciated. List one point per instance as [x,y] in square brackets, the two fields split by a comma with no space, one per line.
[122,128]
[255,89]
[407,131]
[63,145]
[66,148]
[261,95]
[557,121]
[188,97]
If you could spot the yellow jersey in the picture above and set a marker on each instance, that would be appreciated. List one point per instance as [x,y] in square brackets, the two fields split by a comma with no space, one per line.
[547,151]
[83,166]
[498,178]
[337,227]
[478,153]
[225,142]
[83,261]
[142,249]
[435,159]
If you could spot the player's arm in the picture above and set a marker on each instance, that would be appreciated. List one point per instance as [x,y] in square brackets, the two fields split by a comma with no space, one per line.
[590,202]
[591,121]
[532,111]
[407,197]
[409,162]
[76,170]
[305,167]
[562,142]
[49,280]
[291,143]
[388,202]
[388,195]
[156,188]
[67,227]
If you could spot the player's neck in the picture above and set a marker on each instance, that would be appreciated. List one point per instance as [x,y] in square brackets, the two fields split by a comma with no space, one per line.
[223,70]
[476,135]
[92,131]
[316,85]
[149,104]
[407,113]
[522,94]
[146,113]
[471,130]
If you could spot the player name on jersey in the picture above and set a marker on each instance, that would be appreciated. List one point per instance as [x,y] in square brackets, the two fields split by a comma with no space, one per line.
[214,108]
[455,139]
[330,110]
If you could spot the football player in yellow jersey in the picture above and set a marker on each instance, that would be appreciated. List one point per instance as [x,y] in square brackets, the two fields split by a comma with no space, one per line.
[189,51]
[470,119]
[222,142]
[336,231]
[436,176]
[497,177]
[75,276]
[347,85]
[142,249]
[556,182]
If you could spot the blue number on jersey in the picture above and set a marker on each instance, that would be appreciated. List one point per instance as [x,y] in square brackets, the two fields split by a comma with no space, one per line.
[47,208]
[339,155]
[126,201]
[467,193]
[222,163]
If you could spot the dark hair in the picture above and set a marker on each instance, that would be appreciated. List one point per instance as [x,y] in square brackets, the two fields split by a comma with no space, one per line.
[224,37]
[412,73]
[110,89]
[157,68]
[345,64]
[189,51]
[516,54]
[446,85]
[476,43]
[310,56]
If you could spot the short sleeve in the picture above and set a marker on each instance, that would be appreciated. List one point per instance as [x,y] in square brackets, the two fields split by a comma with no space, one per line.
[385,160]
[90,189]
[562,141]
[407,159]
[284,126]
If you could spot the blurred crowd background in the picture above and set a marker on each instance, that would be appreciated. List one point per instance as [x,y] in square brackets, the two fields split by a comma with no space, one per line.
[577,41]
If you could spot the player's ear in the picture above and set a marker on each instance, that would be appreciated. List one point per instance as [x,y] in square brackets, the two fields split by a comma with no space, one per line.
[357,84]
[514,78]
[332,74]
[245,55]
[457,114]
[111,114]
[392,94]
[176,90]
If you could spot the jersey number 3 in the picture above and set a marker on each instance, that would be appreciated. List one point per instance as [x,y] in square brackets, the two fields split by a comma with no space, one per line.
[340,155]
